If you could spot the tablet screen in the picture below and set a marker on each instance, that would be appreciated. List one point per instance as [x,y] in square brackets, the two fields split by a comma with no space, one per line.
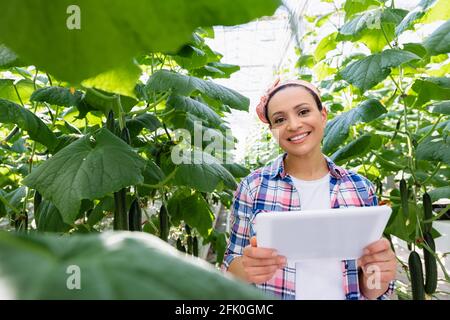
[340,233]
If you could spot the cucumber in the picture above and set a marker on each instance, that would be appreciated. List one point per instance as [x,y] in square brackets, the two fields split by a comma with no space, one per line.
[430,265]
[120,210]
[135,216]
[37,201]
[195,247]
[416,273]
[428,212]
[125,135]
[110,124]
[188,239]
[404,197]
[163,223]
[180,246]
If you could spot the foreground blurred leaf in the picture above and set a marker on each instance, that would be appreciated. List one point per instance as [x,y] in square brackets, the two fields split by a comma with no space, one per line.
[119,265]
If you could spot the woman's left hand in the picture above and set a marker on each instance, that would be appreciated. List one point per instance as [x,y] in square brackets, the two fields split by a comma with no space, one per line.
[379,266]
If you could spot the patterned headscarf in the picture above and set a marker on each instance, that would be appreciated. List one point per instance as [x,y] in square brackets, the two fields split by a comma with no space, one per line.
[262,105]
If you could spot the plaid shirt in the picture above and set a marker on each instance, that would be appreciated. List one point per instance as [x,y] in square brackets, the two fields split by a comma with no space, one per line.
[270,188]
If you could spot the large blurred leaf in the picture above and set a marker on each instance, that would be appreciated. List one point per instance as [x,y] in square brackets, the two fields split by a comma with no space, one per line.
[11,112]
[369,71]
[417,13]
[439,41]
[431,89]
[236,169]
[193,209]
[434,149]
[165,80]
[119,80]
[336,130]
[119,265]
[88,168]
[200,170]
[111,33]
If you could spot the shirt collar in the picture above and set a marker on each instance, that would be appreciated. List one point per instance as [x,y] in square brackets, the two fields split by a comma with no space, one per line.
[276,168]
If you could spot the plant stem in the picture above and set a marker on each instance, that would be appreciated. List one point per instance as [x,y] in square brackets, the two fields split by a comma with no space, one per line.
[432,129]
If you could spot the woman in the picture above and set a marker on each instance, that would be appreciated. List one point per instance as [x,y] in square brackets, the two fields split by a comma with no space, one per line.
[301,179]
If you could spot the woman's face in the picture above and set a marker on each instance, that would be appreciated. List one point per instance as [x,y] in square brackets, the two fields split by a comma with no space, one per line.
[296,121]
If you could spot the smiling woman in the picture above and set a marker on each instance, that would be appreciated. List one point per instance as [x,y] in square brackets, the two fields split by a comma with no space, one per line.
[303,178]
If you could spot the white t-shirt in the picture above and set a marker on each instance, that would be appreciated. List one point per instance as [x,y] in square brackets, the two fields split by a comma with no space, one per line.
[317,279]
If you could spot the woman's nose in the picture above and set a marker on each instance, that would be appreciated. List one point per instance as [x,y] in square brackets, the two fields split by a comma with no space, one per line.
[293,124]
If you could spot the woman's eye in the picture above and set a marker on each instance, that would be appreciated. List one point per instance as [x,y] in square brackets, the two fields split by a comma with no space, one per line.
[279,120]
[303,112]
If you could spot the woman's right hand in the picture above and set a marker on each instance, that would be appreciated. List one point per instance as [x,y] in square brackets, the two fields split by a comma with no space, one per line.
[260,264]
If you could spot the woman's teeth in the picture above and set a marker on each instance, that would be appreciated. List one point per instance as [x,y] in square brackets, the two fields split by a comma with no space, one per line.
[301,136]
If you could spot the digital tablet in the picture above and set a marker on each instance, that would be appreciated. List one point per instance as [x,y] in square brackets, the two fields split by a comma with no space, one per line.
[340,233]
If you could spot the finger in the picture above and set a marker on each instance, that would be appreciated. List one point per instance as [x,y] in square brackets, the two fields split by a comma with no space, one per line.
[379,267]
[383,277]
[261,253]
[253,242]
[259,271]
[384,256]
[377,246]
[261,279]
[252,262]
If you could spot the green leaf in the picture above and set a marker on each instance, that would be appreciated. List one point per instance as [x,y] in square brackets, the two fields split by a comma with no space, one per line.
[164,80]
[104,101]
[195,107]
[152,173]
[200,170]
[336,131]
[112,265]
[431,89]
[305,60]
[415,14]
[440,11]
[7,57]
[325,45]
[352,7]
[119,80]
[49,219]
[355,148]
[236,169]
[58,96]
[146,120]
[11,112]
[371,70]
[15,198]
[88,168]
[439,193]
[111,34]
[441,107]
[25,88]
[434,149]
[216,70]
[439,41]
[375,27]
[190,57]
[194,210]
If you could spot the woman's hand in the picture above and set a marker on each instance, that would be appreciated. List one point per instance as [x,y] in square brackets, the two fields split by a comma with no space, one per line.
[379,267]
[260,264]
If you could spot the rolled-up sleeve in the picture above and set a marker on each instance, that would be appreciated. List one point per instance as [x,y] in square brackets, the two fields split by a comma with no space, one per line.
[240,217]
